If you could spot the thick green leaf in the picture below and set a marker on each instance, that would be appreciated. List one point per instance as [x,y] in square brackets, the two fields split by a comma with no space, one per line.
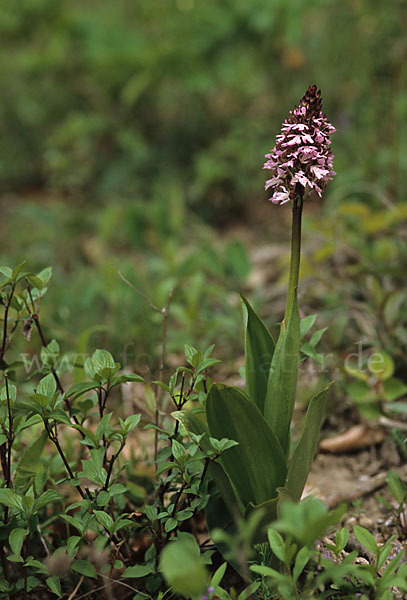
[195,425]
[257,466]
[304,452]
[282,382]
[259,350]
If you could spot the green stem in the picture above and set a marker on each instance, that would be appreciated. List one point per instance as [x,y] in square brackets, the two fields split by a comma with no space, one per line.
[295,254]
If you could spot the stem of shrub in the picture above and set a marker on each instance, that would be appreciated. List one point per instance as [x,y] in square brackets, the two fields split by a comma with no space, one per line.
[54,439]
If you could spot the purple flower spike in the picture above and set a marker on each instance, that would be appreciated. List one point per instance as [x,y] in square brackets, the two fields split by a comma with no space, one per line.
[301,158]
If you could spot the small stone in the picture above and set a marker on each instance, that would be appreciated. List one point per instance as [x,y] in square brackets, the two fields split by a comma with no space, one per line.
[365,521]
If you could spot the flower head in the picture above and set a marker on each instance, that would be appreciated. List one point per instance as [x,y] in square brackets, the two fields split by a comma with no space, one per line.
[301,157]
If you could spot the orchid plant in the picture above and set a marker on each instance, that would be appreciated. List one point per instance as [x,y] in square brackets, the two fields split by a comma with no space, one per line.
[260,471]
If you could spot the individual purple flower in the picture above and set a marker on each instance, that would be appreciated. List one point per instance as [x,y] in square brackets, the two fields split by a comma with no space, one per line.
[301,158]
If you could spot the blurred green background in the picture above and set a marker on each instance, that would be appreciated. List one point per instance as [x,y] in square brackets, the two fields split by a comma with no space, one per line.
[132,137]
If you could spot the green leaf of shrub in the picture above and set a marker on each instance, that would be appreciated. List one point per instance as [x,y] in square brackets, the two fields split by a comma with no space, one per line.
[30,465]
[170,524]
[394,388]
[7,272]
[193,424]
[11,499]
[102,498]
[103,518]
[366,539]
[277,544]
[306,323]
[396,486]
[78,389]
[137,571]
[46,498]
[47,386]
[178,451]
[381,365]
[183,568]
[54,585]
[84,567]
[16,539]
[205,364]
[307,520]
[301,561]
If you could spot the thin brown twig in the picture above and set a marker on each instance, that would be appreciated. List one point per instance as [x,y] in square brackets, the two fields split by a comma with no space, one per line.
[73,594]
[144,296]
[10,430]
[33,312]
[4,562]
[7,455]
[392,423]
[34,309]
[98,589]
[36,320]
[113,459]
[6,309]
[110,579]
[165,312]
[130,587]
[9,434]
